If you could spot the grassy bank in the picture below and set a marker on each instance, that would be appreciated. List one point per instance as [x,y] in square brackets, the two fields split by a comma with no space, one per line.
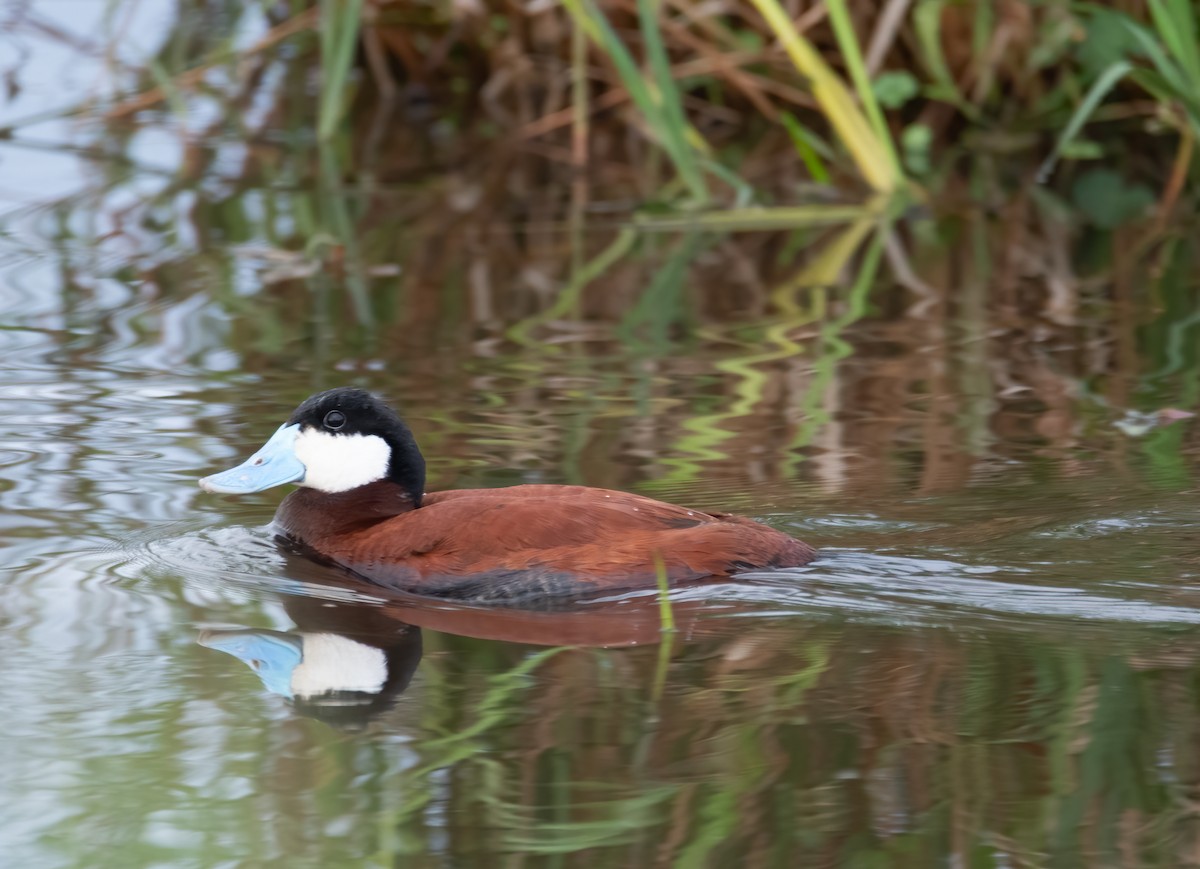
[752,103]
[852,96]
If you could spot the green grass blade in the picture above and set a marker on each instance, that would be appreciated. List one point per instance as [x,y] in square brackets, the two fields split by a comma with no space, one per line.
[843,29]
[802,141]
[836,101]
[743,193]
[1099,89]
[675,125]
[1175,21]
[649,102]
[927,25]
[746,219]
[340,22]
[1170,71]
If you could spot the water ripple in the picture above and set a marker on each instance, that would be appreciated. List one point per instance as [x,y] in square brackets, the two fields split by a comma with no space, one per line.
[842,583]
[247,559]
[908,590]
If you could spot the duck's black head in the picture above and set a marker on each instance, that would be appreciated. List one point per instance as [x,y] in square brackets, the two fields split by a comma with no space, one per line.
[334,442]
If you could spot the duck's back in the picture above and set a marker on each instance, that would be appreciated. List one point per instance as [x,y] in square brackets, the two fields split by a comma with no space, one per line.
[539,539]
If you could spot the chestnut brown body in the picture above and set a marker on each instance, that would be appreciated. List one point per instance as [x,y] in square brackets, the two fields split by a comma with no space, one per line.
[524,541]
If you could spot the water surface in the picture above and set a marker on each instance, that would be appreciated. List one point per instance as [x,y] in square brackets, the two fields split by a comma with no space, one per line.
[994,662]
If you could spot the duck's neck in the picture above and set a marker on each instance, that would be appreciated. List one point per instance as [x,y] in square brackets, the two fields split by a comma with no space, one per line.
[308,515]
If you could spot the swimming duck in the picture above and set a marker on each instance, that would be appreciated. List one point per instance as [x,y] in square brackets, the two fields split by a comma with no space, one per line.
[361,504]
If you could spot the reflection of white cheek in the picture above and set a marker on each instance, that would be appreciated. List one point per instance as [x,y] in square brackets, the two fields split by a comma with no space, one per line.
[335,663]
[339,463]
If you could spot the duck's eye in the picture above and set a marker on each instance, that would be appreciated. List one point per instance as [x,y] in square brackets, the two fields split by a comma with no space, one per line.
[334,420]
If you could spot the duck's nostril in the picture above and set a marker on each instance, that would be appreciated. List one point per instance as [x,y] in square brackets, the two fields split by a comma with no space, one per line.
[258,461]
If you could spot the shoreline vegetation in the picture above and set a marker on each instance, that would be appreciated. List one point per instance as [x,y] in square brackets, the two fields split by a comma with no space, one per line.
[555,182]
[730,110]
[832,119]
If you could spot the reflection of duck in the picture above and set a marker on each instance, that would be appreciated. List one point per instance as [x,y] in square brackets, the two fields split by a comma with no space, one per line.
[363,610]
[350,661]
[346,664]
[362,505]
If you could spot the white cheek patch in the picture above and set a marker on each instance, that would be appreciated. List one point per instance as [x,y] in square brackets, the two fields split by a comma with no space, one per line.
[336,663]
[339,463]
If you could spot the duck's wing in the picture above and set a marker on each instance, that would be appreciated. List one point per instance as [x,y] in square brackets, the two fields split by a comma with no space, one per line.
[495,523]
[590,511]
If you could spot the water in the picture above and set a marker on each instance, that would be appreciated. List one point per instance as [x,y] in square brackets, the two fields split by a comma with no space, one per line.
[993,663]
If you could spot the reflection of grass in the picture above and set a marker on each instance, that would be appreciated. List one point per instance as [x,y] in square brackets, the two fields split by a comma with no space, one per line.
[1171,341]
[493,708]
[568,298]
[836,348]
[666,616]
[706,432]
[575,812]
[341,228]
[622,819]
[497,705]
[779,736]
[646,328]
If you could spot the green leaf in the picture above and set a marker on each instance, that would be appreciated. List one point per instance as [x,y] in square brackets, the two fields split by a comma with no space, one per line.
[1108,40]
[1098,91]
[1108,200]
[895,88]
[917,142]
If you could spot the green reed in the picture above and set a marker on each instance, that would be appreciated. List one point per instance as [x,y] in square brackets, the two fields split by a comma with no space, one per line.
[666,615]
[1074,88]
[657,96]
[868,141]
[339,27]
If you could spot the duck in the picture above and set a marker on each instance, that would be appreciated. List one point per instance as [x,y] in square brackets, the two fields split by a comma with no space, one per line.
[360,504]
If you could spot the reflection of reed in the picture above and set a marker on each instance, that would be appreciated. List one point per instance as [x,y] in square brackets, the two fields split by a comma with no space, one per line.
[721,358]
[870,743]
